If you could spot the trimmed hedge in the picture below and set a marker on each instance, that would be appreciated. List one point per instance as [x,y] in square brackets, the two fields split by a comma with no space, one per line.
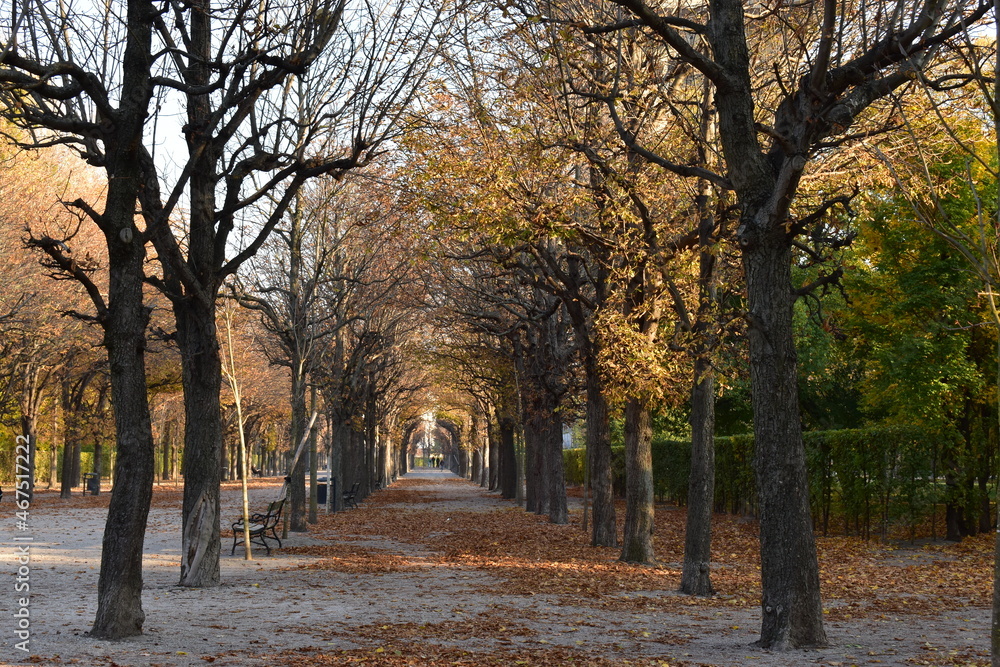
[8,456]
[861,481]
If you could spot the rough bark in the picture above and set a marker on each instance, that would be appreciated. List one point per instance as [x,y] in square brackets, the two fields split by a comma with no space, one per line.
[605,532]
[202,376]
[557,507]
[119,587]
[69,442]
[463,463]
[168,450]
[637,543]
[313,462]
[695,575]
[194,312]
[508,463]
[29,424]
[370,441]
[356,460]
[533,469]
[792,609]
[486,444]
[338,442]
[66,480]
[404,450]
[477,465]
[494,458]
[54,448]
[384,471]
[696,571]
[297,489]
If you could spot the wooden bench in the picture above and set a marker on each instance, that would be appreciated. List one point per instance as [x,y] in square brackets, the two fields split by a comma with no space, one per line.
[351,497]
[262,527]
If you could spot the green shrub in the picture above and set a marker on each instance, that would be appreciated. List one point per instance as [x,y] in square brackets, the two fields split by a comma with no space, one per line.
[862,481]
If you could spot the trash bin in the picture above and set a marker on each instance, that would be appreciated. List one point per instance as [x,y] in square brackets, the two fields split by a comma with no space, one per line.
[92,483]
[321,490]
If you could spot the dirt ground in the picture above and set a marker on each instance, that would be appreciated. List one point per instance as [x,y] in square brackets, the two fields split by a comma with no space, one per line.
[421,574]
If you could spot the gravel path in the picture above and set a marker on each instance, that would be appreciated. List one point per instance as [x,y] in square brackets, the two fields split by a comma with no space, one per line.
[273,605]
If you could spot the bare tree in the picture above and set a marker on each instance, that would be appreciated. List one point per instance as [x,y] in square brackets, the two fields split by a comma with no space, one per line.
[373,59]
[311,280]
[86,77]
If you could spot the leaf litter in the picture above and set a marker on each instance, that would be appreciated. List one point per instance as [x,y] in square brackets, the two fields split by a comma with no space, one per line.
[435,571]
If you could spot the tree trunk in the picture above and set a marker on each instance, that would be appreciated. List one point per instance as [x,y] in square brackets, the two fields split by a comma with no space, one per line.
[695,577]
[792,610]
[202,376]
[508,463]
[519,463]
[484,456]
[66,481]
[637,545]
[98,463]
[532,468]
[463,463]
[168,449]
[77,456]
[69,440]
[119,586]
[538,472]
[494,458]
[696,571]
[355,459]
[175,458]
[765,186]
[404,453]
[338,443]
[557,508]
[297,489]
[370,442]
[54,446]
[313,462]
[29,431]
[383,460]
[605,531]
